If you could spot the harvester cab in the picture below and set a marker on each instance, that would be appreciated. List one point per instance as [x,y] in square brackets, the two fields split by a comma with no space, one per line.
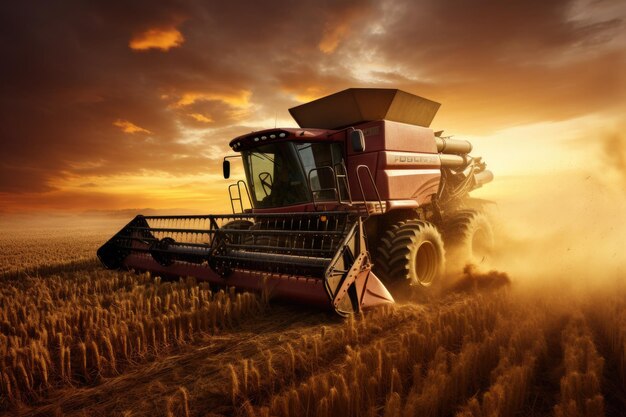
[363,183]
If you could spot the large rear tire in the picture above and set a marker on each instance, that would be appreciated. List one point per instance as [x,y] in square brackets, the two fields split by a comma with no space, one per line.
[469,238]
[411,254]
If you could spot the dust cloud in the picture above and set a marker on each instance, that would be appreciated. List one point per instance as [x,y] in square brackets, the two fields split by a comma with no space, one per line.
[561,232]
[614,149]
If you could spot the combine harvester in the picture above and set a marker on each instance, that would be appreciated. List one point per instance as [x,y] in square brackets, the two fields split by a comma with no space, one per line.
[354,201]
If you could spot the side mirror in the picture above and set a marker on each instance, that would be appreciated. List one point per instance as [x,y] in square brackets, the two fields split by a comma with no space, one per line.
[226,168]
[358,140]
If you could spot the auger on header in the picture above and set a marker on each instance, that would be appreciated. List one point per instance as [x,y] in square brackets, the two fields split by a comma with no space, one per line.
[361,198]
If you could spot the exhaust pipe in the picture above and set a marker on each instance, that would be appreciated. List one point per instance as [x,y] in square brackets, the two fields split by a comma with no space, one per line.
[454,161]
[453,146]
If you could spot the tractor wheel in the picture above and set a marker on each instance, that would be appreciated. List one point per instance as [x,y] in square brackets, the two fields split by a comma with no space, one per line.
[468,236]
[411,254]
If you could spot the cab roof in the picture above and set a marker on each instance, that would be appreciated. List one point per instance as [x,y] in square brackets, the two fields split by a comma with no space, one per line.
[253,139]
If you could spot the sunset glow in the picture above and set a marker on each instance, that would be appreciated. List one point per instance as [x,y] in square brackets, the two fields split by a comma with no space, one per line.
[538,88]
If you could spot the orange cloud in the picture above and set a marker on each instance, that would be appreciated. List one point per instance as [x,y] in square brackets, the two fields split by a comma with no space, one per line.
[339,27]
[332,37]
[239,99]
[128,127]
[159,38]
[309,93]
[201,118]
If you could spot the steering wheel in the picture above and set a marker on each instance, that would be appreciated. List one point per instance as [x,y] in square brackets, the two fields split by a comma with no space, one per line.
[266,182]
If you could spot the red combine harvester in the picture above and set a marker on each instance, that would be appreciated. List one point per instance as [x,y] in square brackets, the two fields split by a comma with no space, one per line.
[361,197]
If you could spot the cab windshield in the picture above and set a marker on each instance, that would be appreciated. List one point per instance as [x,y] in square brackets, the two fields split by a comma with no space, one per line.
[278,174]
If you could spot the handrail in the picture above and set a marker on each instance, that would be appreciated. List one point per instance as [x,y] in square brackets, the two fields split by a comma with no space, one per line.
[246,215]
[239,196]
[335,189]
[358,177]
[344,176]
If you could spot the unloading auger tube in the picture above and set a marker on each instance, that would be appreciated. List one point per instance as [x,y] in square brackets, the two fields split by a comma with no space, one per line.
[316,258]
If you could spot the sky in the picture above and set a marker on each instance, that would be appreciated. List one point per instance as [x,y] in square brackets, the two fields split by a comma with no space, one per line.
[110,106]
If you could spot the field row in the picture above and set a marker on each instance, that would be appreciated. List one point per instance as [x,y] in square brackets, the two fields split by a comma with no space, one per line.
[146,347]
[74,329]
[47,251]
[436,368]
[426,369]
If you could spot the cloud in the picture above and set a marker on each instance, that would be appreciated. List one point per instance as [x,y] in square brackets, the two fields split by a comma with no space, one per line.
[201,117]
[128,127]
[158,38]
[74,87]
[236,99]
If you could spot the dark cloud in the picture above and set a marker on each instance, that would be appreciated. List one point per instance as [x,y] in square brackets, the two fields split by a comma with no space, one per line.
[494,64]
[456,37]
[68,73]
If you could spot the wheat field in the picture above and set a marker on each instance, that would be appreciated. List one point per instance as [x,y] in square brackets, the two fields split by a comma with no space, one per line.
[77,340]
